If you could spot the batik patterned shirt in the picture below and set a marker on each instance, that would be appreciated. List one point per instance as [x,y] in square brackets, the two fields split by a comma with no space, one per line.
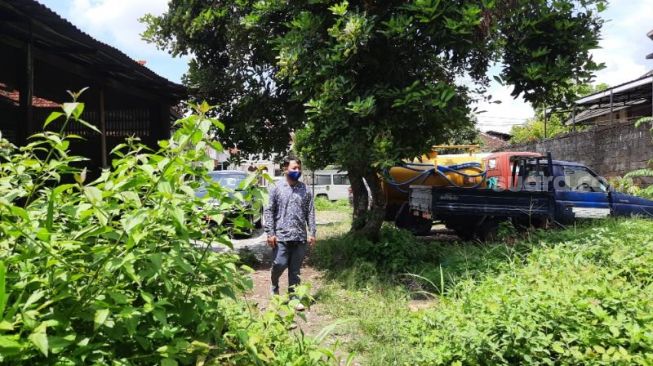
[289,211]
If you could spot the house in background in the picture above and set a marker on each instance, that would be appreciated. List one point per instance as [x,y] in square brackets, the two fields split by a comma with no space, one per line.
[43,55]
[623,103]
[493,140]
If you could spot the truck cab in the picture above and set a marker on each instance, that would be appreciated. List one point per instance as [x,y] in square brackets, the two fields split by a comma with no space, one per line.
[579,192]
[499,167]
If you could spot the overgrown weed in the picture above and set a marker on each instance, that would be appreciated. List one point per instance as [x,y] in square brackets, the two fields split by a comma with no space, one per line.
[575,296]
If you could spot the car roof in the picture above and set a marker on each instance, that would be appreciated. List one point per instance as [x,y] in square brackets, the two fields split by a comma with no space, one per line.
[227,172]
[527,154]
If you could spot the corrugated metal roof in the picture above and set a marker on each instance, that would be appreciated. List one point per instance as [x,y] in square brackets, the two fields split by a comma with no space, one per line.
[643,83]
[601,111]
[103,58]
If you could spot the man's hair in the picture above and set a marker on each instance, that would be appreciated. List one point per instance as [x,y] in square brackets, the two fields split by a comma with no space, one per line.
[289,158]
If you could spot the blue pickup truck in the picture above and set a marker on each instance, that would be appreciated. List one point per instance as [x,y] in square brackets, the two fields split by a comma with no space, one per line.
[544,192]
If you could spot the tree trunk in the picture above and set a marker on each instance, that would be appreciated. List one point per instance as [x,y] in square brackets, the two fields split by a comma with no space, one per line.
[374,216]
[360,199]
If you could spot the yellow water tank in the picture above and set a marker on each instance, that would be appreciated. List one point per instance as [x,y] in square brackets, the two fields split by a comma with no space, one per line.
[413,173]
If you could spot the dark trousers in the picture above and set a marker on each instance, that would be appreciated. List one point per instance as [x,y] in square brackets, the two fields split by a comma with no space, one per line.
[287,254]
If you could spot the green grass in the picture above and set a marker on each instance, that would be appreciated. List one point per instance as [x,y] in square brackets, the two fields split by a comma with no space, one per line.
[323,204]
[578,296]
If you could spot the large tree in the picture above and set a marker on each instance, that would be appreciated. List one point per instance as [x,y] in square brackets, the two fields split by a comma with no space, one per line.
[366,83]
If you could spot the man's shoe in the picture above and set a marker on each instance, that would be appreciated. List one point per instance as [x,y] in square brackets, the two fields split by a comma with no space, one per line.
[274,291]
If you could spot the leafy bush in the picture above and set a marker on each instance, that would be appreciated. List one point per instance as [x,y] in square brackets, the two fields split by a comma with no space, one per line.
[119,270]
[580,296]
[627,184]
[397,252]
[585,301]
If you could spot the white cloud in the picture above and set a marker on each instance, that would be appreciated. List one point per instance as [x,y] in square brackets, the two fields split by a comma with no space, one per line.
[624,46]
[501,117]
[117,20]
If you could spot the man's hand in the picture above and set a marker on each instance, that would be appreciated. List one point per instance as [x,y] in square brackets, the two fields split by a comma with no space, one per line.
[311,240]
[272,241]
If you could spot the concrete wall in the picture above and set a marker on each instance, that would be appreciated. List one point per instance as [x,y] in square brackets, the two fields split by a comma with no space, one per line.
[609,150]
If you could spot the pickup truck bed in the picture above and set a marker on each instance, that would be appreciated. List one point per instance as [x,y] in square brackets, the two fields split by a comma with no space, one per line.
[432,202]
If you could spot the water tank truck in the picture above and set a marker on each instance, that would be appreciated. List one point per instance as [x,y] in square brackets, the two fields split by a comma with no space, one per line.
[449,170]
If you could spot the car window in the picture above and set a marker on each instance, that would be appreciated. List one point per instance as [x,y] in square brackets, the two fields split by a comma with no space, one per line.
[535,177]
[230,181]
[322,179]
[580,179]
[341,179]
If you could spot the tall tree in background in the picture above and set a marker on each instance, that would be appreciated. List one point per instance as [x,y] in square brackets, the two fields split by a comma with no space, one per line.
[367,83]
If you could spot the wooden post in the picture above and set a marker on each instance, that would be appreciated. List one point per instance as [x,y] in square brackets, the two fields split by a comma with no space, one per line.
[27,93]
[573,118]
[103,129]
[545,121]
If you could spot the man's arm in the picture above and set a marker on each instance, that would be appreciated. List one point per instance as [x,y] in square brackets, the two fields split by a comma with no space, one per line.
[310,218]
[270,212]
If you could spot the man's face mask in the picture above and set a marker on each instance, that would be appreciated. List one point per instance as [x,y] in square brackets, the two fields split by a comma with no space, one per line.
[294,174]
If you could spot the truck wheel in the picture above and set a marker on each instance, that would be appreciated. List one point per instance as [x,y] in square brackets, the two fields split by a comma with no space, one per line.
[487,230]
[464,234]
[464,228]
[419,226]
[523,224]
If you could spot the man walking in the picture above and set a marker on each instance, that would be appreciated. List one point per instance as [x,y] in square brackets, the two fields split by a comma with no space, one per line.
[287,215]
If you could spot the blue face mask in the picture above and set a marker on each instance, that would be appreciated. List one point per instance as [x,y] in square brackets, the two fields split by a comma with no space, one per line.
[294,175]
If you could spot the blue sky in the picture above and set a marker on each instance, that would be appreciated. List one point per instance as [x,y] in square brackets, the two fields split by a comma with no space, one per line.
[623,48]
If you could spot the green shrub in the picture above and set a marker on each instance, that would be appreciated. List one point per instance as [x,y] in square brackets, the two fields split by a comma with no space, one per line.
[397,252]
[627,184]
[119,271]
[323,204]
[581,296]
[584,301]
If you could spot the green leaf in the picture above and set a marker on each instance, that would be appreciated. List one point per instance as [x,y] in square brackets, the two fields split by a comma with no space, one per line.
[9,342]
[168,362]
[3,294]
[93,194]
[178,216]
[204,107]
[50,212]
[88,125]
[73,109]
[40,340]
[100,318]
[20,212]
[57,344]
[132,221]
[6,326]
[33,298]
[53,116]
[164,187]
